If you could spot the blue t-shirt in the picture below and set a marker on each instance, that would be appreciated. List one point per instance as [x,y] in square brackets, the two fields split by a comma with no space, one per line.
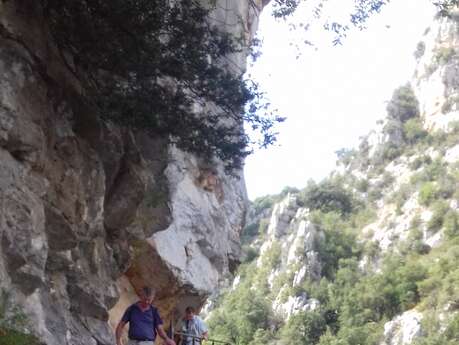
[142,324]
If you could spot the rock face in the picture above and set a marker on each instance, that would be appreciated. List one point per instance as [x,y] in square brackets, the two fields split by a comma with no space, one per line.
[404,329]
[295,304]
[435,80]
[91,212]
[296,237]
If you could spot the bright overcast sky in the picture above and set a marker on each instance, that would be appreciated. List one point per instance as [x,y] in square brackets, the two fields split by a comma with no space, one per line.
[331,95]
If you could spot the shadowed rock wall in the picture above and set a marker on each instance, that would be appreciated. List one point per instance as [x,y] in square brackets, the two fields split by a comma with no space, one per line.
[90,212]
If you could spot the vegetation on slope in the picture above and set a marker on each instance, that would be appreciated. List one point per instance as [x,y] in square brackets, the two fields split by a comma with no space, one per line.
[12,324]
[355,299]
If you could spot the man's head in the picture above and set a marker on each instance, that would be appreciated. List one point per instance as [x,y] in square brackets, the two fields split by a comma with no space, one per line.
[189,312]
[147,295]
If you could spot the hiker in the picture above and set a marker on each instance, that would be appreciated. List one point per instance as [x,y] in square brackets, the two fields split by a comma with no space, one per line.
[144,322]
[194,326]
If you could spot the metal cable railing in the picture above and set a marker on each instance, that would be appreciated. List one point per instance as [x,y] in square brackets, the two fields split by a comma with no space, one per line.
[199,340]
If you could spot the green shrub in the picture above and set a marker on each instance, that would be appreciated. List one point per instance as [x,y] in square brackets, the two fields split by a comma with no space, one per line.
[303,328]
[430,69]
[362,185]
[387,179]
[438,138]
[11,327]
[451,224]
[447,186]
[401,196]
[249,254]
[13,337]
[263,203]
[452,330]
[435,332]
[345,156]
[413,130]
[262,337]
[453,127]
[420,161]
[371,249]
[403,104]
[337,244]
[427,193]
[448,104]
[288,190]
[375,193]
[390,152]
[263,227]
[452,137]
[440,209]
[327,197]
[368,334]
[241,314]
[272,256]
[250,230]
[416,221]
[364,216]
[431,172]
[444,55]
[414,243]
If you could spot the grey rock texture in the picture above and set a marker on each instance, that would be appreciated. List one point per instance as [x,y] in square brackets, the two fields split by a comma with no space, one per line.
[90,212]
[291,229]
[435,80]
[403,329]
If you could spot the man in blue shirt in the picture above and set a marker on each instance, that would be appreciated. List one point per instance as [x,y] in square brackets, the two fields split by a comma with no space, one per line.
[144,322]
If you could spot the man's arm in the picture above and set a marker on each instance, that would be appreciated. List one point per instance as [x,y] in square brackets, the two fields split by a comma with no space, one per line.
[203,329]
[119,332]
[163,335]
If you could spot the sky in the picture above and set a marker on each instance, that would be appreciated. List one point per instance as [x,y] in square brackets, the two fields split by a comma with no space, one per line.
[330,95]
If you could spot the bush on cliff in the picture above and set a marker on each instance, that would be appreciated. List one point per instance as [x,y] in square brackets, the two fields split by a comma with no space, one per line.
[327,196]
[403,104]
[162,67]
[11,325]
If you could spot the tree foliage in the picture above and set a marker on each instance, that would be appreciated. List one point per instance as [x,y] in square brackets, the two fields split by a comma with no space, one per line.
[161,66]
[303,328]
[403,105]
[243,313]
[362,11]
[337,243]
[327,197]
[445,6]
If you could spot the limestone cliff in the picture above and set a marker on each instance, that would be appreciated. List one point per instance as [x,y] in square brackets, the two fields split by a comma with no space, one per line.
[90,212]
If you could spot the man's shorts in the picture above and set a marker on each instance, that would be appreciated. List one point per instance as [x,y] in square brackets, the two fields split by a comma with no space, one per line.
[140,342]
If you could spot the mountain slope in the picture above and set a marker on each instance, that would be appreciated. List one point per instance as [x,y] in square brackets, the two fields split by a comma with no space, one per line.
[368,255]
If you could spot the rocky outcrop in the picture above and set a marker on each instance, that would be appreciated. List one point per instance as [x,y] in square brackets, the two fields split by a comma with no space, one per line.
[90,212]
[294,305]
[435,80]
[403,329]
[297,237]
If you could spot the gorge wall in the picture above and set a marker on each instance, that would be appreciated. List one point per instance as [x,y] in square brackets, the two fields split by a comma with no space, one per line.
[90,211]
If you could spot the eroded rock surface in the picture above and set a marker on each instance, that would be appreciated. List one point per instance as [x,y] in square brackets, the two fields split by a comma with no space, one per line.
[403,329]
